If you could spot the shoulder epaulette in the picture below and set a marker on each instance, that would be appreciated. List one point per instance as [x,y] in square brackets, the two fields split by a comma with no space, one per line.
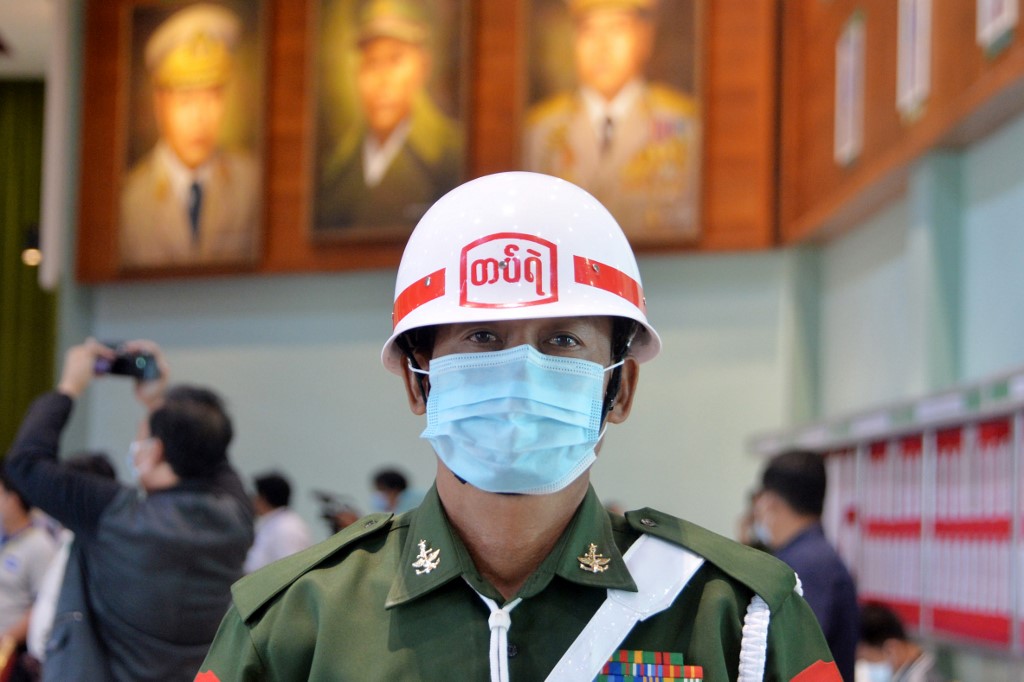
[768,577]
[665,97]
[557,104]
[251,592]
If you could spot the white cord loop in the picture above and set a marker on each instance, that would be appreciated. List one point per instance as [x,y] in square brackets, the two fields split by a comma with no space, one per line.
[754,645]
[499,621]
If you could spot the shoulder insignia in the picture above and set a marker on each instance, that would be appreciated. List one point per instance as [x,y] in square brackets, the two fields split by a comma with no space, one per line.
[433,134]
[764,574]
[665,97]
[256,589]
[557,105]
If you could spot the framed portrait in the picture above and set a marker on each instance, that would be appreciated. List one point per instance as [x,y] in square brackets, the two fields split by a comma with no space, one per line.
[389,115]
[613,105]
[190,143]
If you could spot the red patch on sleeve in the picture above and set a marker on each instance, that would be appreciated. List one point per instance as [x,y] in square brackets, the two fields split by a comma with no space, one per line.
[819,671]
[208,676]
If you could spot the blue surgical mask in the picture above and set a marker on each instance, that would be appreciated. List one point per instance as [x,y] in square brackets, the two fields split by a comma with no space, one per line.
[379,502]
[515,421]
[879,671]
[762,533]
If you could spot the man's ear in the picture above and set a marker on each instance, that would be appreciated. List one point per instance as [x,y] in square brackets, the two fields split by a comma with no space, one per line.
[627,391]
[415,382]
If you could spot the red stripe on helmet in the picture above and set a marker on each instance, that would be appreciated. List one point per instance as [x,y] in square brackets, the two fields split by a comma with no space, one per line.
[595,274]
[416,294]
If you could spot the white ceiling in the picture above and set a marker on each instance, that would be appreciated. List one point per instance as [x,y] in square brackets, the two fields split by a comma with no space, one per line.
[25,30]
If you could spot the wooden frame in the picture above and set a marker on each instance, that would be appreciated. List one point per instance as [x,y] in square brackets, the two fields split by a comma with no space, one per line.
[738,95]
[185,78]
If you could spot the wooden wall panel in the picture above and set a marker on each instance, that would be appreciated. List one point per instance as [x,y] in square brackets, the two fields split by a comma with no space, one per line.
[740,65]
[971,93]
[740,124]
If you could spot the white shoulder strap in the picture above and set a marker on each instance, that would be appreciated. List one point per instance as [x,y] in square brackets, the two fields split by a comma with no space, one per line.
[660,570]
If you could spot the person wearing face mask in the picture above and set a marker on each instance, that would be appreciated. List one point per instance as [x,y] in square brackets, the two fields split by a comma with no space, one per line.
[787,518]
[519,330]
[886,654]
[391,492]
[149,573]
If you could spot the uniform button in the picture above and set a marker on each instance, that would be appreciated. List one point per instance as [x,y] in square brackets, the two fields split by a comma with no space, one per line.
[650,523]
[513,650]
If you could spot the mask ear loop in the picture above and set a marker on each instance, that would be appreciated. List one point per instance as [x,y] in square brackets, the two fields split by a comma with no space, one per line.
[421,374]
[615,382]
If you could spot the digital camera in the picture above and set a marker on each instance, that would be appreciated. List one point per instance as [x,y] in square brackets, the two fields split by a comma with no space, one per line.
[142,366]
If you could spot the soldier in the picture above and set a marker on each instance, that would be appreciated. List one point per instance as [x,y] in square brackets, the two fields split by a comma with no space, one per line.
[519,332]
[188,201]
[404,153]
[633,144]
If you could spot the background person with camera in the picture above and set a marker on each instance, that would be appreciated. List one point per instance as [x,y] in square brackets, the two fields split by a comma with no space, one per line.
[151,568]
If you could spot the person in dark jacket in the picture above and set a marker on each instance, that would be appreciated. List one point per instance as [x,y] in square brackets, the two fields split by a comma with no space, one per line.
[787,518]
[152,566]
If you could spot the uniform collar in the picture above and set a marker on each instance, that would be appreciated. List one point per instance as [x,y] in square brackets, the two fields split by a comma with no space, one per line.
[429,524]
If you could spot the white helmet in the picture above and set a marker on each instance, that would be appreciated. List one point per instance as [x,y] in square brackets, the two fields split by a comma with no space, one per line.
[515,246]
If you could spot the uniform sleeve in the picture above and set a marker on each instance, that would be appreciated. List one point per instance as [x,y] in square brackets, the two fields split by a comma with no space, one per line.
[232,656]
[797,651]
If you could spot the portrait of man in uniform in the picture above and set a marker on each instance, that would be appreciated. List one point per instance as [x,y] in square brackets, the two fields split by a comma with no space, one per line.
[389,114]
[190,194]
[614,109]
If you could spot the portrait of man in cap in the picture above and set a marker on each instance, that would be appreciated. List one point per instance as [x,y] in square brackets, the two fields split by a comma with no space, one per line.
[613,108]
[389,119]
[191,192]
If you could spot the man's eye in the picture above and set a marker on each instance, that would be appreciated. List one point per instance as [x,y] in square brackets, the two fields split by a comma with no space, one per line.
[482,337]
[565,341]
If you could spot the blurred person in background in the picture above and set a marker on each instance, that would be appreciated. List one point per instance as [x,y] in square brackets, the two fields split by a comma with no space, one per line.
[45,606]
[280,531]
[391,492]
[787,518]
[150,573]
[886,654]
[25,554]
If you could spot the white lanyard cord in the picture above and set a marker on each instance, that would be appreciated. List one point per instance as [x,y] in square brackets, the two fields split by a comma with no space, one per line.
[499,621]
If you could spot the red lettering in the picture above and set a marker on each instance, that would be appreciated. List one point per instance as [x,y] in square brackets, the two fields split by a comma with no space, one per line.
[484,271]
[534,270]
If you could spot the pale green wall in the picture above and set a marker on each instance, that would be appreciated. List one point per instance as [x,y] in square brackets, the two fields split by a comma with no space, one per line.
[993,262]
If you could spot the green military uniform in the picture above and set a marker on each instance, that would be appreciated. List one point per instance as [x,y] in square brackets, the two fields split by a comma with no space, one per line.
[425,168]
[392,598]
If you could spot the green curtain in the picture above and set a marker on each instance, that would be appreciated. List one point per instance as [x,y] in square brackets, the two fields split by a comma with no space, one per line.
[27,313]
